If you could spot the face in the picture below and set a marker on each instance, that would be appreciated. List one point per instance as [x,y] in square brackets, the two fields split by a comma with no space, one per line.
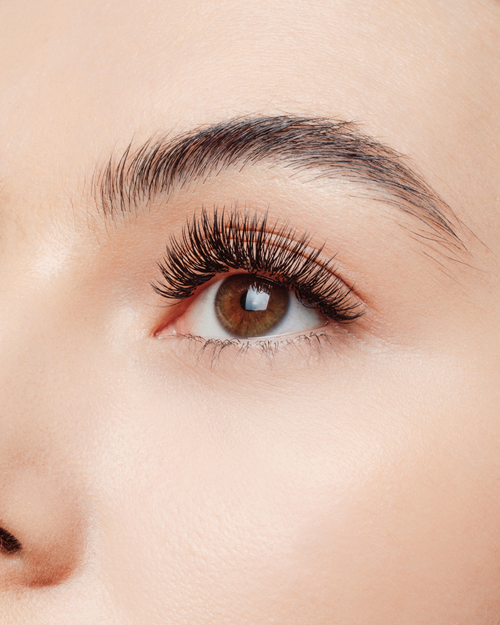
[249,312]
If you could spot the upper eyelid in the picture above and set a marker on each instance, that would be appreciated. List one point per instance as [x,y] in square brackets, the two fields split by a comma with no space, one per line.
[212,244]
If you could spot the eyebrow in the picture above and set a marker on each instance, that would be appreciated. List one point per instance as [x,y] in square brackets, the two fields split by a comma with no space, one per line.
[334,149]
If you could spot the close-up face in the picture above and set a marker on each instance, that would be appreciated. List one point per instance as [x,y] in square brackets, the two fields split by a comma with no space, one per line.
[250,312]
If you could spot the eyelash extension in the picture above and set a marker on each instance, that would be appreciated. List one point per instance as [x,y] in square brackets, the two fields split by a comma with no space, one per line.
[210,245]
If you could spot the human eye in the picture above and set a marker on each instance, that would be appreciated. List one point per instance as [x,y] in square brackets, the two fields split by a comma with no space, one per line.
[247,306]
[238,279]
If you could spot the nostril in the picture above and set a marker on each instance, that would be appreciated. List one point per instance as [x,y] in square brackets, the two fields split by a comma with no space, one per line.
[8,543]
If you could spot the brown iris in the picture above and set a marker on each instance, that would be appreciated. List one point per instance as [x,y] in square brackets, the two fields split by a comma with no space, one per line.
[249,306]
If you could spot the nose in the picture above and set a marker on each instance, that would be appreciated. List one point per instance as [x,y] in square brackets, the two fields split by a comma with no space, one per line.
[42,531]
[41,538]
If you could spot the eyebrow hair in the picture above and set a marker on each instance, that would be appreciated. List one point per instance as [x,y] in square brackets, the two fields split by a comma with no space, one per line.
[336,149]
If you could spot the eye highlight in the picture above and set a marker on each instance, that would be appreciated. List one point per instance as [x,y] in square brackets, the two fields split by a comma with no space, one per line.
[287,287]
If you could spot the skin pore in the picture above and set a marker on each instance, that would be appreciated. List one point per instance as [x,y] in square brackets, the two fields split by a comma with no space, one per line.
[147,477]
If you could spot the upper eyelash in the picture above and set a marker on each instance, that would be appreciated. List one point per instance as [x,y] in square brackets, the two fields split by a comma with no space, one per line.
[210,245]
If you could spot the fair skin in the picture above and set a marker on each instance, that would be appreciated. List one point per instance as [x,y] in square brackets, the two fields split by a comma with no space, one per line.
[147,481]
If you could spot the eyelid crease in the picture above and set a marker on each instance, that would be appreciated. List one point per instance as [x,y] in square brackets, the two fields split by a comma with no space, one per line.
[214,245]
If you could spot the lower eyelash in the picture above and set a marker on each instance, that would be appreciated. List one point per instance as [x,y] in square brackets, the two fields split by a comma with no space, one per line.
[311,344]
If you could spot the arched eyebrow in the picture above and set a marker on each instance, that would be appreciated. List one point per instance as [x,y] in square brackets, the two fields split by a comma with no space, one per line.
[331,149]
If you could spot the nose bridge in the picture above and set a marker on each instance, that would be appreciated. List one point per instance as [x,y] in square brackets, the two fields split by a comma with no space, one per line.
[28,345]
[37,273]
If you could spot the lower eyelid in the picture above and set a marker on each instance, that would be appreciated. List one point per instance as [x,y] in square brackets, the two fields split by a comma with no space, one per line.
[318,347]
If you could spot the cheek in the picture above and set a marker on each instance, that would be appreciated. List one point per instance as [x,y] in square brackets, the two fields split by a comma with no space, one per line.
[343,493]
[364,502]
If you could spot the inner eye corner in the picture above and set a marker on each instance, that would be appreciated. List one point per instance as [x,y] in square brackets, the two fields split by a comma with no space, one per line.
[9,544]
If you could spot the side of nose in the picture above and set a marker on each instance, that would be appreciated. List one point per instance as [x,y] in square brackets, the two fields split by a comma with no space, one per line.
[41,527]
[41,532]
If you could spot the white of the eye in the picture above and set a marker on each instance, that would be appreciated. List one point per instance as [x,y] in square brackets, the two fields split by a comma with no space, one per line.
[201,317]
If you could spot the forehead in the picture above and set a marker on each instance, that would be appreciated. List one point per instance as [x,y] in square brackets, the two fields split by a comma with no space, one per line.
[422,77]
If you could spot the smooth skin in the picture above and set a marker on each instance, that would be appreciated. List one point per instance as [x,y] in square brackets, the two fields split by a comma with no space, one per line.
[354,486]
